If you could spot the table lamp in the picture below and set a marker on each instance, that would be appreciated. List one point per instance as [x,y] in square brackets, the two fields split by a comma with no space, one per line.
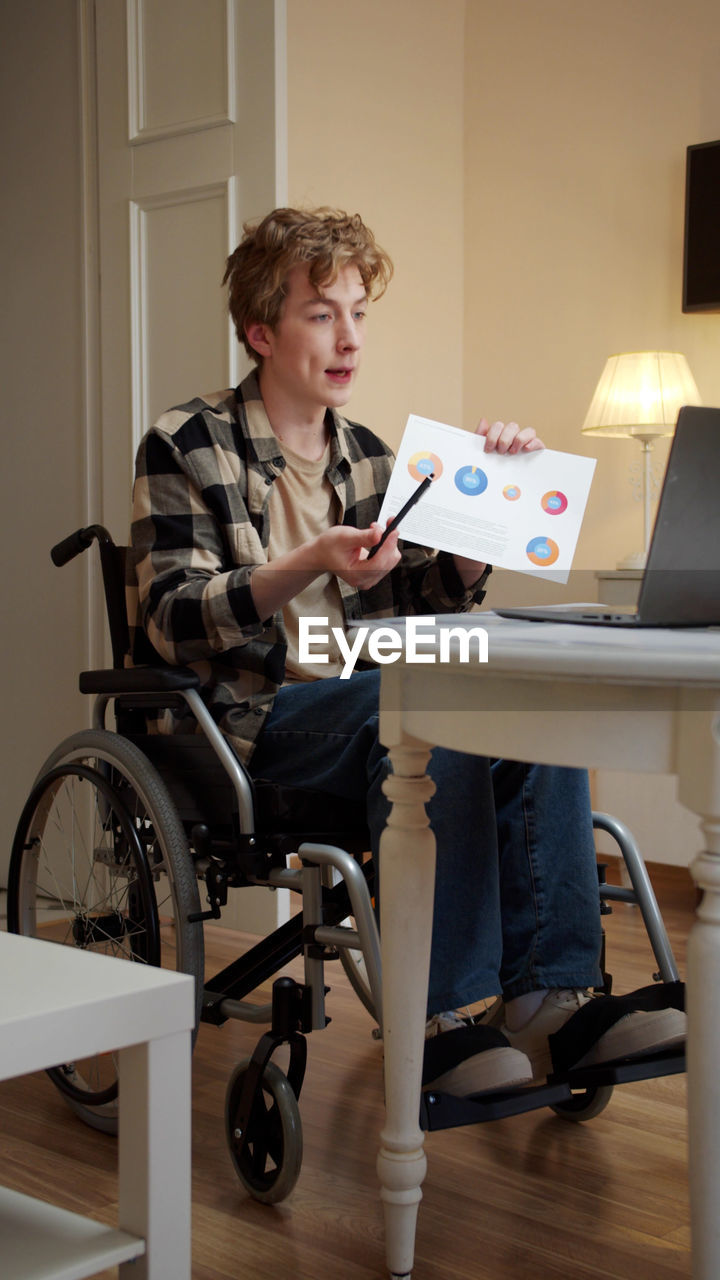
[640,394]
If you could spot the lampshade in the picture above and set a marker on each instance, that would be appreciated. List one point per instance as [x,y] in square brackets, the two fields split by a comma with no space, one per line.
[640,394]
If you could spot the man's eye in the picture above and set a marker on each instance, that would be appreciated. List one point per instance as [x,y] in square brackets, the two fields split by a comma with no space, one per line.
[360,315]
[322,315]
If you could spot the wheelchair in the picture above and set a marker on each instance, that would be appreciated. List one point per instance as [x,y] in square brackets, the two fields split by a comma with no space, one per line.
[123,827]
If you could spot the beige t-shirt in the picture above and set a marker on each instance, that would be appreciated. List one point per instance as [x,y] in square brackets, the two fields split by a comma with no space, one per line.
[303,505]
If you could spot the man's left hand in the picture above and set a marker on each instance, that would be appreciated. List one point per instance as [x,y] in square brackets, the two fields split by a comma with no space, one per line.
[508,437]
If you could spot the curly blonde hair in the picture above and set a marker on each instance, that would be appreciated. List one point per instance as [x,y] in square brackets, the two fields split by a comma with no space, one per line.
[326,239]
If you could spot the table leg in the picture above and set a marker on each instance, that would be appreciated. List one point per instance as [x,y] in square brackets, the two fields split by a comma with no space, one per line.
[697,764]
[703,1059]
[407,878]
[154,1156]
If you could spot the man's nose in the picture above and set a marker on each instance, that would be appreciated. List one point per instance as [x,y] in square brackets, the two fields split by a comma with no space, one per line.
[349,335]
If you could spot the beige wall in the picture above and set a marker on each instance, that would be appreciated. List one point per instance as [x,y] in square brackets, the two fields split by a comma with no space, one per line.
[577,120]
[375,107]
[43,445]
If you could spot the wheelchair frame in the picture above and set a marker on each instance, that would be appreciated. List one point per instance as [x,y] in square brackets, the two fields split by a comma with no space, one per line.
[145,788]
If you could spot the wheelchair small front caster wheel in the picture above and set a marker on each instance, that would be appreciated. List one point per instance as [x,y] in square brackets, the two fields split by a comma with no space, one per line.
[585,1104]
[268,1156]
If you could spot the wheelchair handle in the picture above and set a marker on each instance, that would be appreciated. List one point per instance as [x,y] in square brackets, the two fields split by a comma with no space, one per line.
[76,542]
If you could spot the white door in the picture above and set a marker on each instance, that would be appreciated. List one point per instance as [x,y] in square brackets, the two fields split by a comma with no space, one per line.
[190,143]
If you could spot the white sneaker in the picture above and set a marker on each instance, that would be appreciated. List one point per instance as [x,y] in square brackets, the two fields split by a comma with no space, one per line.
[464,1058]
[638,1032]
[532,1039]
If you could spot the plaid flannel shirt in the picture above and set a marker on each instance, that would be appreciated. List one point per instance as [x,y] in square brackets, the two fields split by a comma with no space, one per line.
[200,527]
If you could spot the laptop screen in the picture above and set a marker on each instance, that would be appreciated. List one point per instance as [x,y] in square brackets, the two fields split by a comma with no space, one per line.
[682,578]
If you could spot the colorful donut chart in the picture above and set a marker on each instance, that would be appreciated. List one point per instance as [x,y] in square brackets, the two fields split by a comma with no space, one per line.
[511,492]
[423,464]
[542,551]
[471,481]
[554,502]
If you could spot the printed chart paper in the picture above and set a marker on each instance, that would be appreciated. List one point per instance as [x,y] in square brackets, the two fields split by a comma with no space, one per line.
[521,512]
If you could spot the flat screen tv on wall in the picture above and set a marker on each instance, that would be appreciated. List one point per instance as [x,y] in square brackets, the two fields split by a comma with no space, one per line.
[701,270]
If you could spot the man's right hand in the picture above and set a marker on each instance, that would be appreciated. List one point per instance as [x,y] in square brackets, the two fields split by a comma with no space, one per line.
[344,552]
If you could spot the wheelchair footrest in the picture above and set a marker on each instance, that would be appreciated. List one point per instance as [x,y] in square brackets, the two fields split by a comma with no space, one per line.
[668,1062]
[444,1111]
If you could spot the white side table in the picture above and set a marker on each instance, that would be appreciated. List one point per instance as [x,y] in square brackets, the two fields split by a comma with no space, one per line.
[58,1004]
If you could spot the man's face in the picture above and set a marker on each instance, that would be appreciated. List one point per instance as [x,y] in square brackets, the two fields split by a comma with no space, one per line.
[312,355]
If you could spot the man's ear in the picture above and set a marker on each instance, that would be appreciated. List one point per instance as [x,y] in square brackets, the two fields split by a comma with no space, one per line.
[258,335]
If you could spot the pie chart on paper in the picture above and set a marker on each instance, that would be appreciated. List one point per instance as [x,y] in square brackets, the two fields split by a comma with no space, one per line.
[542,551]
[425,464]
[471,480]
[554,502]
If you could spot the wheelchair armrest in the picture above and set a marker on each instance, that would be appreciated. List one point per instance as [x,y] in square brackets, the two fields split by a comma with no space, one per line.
[117,682]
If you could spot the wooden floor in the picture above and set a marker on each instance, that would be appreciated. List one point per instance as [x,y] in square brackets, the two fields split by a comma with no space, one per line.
[528,1198]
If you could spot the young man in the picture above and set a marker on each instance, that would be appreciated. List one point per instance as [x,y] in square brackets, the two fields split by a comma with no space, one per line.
[258,506]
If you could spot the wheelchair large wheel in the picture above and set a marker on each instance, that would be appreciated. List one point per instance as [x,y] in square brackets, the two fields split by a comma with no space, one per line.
[268,1161]
[100,861]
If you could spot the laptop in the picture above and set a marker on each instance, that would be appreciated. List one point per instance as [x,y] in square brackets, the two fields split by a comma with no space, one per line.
[681,582]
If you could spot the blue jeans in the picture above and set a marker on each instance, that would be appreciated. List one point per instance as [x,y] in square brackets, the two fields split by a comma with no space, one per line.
[516,894]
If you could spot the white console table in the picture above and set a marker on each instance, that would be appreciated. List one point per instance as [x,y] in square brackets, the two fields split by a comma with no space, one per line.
[58,1004]
[619,586]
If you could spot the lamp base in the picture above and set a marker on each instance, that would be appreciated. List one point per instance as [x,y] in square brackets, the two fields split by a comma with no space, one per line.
[637,560]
